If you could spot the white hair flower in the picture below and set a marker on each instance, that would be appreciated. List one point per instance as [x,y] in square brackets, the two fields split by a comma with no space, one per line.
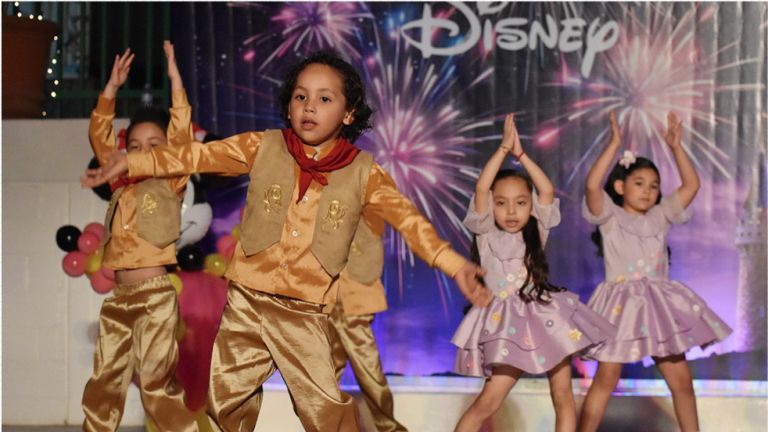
[628,159]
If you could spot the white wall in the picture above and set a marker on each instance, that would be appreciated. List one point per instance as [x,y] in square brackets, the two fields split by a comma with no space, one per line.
[49,319]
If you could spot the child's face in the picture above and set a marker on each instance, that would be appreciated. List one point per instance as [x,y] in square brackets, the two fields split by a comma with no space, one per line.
[640,190]
[144,136]
[512,204]
[318,108]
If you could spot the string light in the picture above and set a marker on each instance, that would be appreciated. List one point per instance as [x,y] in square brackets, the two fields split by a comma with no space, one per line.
[55,82]
[40,17]
[50,71]
[31,17]
[18,14]
[55,38]
[53,94]
[44,114]
[16,4]
[53,61]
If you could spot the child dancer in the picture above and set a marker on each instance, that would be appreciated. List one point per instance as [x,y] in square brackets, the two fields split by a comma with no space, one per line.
[137,326]
[361,295]
[308,188]
[531,326]
[653,315]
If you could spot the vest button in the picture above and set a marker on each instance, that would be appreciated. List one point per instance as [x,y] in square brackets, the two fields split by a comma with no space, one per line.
[295,233]
[305,199]
[125,226]
[285,265]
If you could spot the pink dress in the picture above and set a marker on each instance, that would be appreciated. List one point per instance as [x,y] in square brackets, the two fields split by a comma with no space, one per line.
[534,336]
[654,316]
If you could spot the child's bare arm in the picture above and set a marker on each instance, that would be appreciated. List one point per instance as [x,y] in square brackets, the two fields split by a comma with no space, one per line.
[120,70]
[688,174]
[173,69]
[594,193]
[483,187]
[543,186]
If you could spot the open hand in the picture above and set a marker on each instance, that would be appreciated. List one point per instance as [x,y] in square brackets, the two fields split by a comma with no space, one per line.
[615,130]
[120,70]
[170,55]
[116,165]
[674,128]
[470,286]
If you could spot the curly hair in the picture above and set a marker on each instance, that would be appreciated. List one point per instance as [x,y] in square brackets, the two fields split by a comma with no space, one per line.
[149,114]
[535,260]
[620,173]
[354,92]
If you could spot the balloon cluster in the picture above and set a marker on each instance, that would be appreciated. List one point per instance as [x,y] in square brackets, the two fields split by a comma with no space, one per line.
[216,263]
[84,255]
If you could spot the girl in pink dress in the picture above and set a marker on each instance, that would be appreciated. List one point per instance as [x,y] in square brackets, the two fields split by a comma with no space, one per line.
[653,315]
[530,326]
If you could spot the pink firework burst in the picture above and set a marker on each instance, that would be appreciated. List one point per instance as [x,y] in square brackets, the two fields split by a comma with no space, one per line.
[308,26]
[423,140]
[653,69]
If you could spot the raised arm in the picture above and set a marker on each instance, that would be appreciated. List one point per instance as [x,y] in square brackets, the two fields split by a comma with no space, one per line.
[100,132]
[543,186]
[688,175]
[594,192]
[180,127]
[483,187]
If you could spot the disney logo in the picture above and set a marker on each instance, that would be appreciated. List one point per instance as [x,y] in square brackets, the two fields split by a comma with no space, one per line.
[509,36]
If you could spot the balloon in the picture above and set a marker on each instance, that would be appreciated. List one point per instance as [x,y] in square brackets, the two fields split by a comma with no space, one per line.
[107,272]
[74,263]
[190,258]
[236,233]
[93,263]
[88,242]
[224,245]
[215,264]
[175,283]
[101,284]
[200,306]
[96,228]
[229,252]
[203,424]
[66,238]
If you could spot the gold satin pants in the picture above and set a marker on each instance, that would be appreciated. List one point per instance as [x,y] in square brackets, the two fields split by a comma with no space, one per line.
[137,334]
[260,333]
[352,338]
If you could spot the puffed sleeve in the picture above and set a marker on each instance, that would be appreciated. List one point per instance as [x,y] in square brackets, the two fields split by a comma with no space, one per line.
[609,207]
[673,211]
[547,215]
[480,223]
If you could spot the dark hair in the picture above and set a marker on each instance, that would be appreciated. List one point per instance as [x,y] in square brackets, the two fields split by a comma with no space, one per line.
[535,260]
[354,92]
[620,173]
[148,114]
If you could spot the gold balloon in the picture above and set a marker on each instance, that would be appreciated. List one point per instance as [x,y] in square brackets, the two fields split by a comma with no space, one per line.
[176,282]
[215,264]
[236,233]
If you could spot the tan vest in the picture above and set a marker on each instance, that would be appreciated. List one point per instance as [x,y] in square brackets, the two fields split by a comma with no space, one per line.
[360,289]
[269,195]
[158,213]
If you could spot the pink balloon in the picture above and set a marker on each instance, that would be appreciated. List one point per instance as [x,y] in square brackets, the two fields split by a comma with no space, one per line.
[100,283]
[107,272]
[88,242]
[96,228]
[201,303]
[225,243]
[74,263]
[229,252]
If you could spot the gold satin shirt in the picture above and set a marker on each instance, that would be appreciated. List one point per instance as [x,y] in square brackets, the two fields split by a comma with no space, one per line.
[289,268]
[126,250]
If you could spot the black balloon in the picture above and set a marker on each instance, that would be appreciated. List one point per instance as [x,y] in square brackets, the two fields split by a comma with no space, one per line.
[66,238]
[190,258]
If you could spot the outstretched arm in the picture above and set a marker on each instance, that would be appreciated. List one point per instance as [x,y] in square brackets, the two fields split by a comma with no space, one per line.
[688,175]
[173,69]
[594,192]
[100,132]
[120,70]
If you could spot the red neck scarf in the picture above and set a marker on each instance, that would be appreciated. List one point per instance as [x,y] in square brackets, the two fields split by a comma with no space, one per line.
[342,155]
[123,181]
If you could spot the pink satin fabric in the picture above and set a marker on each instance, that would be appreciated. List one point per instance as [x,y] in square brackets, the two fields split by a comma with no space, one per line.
[137,334]
[260,333]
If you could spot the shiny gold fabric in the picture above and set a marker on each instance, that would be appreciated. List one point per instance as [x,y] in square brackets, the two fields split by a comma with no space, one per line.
[260,333]
[352,338]
[288,267]
[126,250]
[137,334]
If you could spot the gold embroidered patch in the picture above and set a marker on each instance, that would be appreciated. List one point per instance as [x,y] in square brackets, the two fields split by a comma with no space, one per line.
[574,334]
[273,198]
[335,215]
[149,204]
